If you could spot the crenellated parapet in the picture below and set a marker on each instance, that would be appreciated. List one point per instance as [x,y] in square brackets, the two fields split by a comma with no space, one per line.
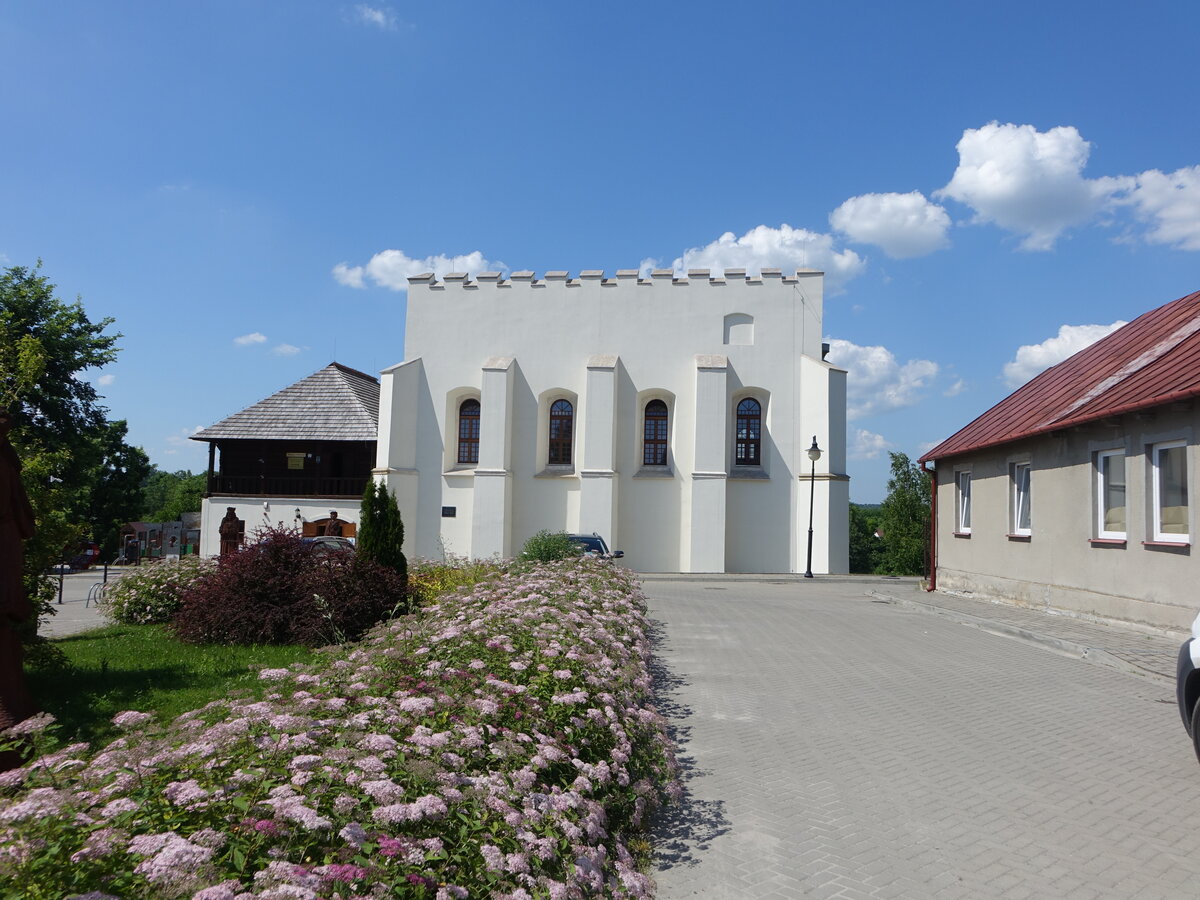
[528,278]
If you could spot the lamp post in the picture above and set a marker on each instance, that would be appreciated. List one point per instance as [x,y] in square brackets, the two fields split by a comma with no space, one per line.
[814,453]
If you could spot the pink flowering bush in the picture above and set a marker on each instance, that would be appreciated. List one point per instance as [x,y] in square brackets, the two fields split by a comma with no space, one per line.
[151,594]
[497,744]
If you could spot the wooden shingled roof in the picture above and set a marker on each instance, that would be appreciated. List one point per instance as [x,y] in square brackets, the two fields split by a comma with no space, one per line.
[1153,360]
[336,403]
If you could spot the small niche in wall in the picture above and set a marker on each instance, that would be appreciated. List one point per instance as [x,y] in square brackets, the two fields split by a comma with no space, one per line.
[449,512]
[739,328]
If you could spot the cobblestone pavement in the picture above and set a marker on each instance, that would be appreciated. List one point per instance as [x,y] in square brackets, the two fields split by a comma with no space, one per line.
[836,744]
[1144,651]
[77,612]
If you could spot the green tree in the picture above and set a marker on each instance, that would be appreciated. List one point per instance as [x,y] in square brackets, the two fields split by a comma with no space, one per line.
[865,547]
[58,422]
[381,529]
[168,495]
[904,519]
[44,344]
[117,494]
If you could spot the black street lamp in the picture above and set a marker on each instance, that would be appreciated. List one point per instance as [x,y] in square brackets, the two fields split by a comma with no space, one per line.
[814,453]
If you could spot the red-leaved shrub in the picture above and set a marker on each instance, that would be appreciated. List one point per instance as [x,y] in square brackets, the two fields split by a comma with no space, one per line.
[283,591]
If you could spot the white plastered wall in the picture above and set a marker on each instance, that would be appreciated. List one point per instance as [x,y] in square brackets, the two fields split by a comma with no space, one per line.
[608,344]
[259,512]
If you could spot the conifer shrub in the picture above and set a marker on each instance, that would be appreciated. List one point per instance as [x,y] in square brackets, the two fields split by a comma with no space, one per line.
[282,591]
[381,529]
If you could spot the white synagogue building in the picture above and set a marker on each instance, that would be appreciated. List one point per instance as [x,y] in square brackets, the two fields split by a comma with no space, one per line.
[670,415]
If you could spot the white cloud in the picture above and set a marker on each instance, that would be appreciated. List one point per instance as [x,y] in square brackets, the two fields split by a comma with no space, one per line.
[180,438]
[377,16]
[875,381]
[285,350]
[253,338]
[1171,204]
[867,444]
[391,268]
[351,276]
[784,247]
[1028,181]
[106,380]
[955,389]
[1034,358]
[904,225]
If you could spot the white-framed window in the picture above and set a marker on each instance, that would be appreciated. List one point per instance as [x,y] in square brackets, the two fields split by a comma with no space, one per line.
[1169,490]
[962,491]
[1022,518]
[1110,495]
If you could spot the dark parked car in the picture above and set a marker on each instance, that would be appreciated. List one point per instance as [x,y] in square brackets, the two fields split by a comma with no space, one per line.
[1187,685]
[326,544]
[593,545]
[86,554]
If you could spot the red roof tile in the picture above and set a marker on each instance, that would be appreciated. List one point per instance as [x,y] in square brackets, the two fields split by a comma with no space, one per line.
[1155,359]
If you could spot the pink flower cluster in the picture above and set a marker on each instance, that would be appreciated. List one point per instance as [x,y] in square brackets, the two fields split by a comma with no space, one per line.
[498,743]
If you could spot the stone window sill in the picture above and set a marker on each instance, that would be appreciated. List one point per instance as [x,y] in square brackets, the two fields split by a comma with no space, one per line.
[749,473]
[1020,537]
[557,472]
[654,472]
[1108,542]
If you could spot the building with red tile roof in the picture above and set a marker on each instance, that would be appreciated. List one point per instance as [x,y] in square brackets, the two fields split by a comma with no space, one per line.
[1073,492]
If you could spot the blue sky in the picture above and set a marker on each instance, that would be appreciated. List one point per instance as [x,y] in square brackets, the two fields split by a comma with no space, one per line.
[243,185]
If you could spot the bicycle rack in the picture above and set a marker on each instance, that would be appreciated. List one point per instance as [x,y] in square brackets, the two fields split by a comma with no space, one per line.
[95,594]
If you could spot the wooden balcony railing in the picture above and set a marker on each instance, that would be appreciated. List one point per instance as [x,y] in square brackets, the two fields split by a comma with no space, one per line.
[288,486]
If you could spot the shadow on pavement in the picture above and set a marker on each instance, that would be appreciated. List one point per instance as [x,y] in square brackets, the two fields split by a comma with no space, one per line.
[683,830]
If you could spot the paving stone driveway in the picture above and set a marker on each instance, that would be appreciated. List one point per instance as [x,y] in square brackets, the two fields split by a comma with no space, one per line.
[834,745]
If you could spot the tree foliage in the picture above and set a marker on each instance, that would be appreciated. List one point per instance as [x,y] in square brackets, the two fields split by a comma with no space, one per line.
[116,493]
[381,529]
[865,547]
[904,519]
[59,428]
[168,495]
[44,344]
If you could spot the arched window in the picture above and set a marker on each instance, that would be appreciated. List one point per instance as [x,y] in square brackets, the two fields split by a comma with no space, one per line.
[468,431]
[654,434]
[749,433]
[562,418]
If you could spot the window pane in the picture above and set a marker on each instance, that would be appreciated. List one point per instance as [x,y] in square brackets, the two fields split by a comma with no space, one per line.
[1112,492]
[468,431]
[561,420]
[654,434]
[1021,479]
[1172,490]
[964,501]
[747,446]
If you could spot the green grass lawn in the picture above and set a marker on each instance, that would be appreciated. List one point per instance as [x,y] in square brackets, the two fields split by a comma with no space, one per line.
[143,667]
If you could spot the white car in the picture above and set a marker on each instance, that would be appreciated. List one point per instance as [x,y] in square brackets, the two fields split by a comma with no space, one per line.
[1187,685]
